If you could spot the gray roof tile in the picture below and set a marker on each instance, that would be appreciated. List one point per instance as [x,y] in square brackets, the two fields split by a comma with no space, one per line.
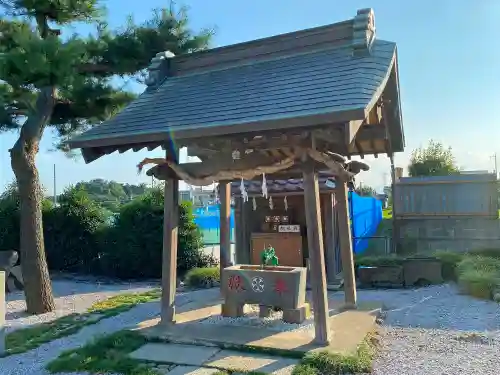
[291,185]
[319,82]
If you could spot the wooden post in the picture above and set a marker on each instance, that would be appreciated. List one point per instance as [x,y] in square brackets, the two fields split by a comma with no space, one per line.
[346,246]
[396,235]
[240,232]
[225,224]
[327,203]
[316,256]
[169,266]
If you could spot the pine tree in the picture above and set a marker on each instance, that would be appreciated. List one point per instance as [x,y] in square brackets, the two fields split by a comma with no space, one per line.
[68,83]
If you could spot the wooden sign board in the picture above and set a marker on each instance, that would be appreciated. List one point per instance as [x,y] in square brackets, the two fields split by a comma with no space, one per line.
[289,229]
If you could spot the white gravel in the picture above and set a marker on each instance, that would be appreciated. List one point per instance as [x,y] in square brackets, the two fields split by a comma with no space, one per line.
[34,361]
[436,331]
[431,331]
[71,297]
[251,319]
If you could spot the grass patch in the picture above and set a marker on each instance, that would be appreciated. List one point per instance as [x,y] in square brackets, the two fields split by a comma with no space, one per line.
[319,363]
[105,355]
[479,276]
[123,302]
[203,277]
[110,354]
[22,340]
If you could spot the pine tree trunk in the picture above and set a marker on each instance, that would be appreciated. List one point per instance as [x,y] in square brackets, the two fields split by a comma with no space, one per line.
[37,285]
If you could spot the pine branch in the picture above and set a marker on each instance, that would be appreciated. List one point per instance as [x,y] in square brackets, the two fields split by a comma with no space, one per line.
[34,56]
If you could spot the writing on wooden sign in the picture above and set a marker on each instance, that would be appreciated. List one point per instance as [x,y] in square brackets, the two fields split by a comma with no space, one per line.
[289,228]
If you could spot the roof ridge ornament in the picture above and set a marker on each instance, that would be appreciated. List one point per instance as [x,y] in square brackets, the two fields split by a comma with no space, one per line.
[363,32]
[156,70]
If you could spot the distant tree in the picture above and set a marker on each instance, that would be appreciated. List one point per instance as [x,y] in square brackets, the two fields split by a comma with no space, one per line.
[432,160]
[365,191]
[68,82]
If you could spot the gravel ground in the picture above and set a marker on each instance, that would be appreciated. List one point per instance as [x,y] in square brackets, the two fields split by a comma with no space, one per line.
[70,296]
[431,331]
[34,361]
[435,331]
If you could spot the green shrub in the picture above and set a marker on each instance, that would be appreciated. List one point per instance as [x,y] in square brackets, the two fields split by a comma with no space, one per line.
[478,263]
[449,261]
[479,276]
[132,247]
[203,277]
[375,261]
[71,232]
[9,219]
[491,253]
[479,283]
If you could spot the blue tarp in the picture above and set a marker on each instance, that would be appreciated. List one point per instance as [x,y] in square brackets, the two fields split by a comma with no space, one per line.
[366,211]
[366,214]
[209,217]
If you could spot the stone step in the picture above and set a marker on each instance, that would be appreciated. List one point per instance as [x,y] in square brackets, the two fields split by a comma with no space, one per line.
[191,370]
[201,360]
[244,361]
[179,354]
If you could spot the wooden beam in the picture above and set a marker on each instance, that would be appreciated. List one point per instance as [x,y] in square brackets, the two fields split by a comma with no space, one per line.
[359,148]
[345,239]
[351,130]
[225,224]
[169,262]
[328,209]
[322,331]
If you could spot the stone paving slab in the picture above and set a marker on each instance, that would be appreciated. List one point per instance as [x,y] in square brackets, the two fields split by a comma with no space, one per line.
[192,370]
[174,353]
[233,360]
[349,329]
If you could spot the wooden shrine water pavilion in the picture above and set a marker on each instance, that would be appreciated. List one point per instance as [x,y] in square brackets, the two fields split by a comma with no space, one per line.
[283,107]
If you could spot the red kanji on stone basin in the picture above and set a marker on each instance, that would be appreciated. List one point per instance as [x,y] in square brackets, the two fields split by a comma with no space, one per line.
[283,287]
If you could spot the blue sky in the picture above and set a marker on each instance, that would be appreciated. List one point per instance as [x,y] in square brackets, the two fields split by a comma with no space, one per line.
[449,64]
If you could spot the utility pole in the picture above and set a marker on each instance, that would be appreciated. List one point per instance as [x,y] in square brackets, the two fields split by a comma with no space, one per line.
[55,191]
[494,157]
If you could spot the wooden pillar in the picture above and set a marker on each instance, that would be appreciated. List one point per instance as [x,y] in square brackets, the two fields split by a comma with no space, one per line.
[346,253]
[327,203]
[396,235]
[169,266]
[316,256]
[241,231]
[225,224]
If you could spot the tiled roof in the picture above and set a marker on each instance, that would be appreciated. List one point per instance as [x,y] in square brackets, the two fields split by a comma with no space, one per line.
[292,185]
[325,81]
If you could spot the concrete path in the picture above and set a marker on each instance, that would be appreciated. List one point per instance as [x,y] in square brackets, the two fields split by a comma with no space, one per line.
[192,359]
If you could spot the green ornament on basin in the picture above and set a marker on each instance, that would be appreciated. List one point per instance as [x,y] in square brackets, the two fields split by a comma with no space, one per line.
[268,257]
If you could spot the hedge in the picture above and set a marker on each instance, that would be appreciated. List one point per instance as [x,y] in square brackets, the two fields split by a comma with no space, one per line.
[477,273]
[81,238]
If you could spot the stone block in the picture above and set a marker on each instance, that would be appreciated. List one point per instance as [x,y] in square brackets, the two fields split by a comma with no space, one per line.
[278,286]
[265,311]
[232,310]
[174,353]
[298,315]
[422,271]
